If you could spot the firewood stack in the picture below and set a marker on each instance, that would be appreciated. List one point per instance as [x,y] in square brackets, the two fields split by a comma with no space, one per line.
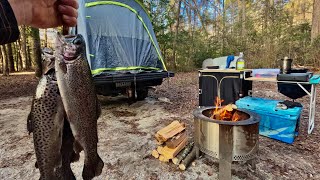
[173,145]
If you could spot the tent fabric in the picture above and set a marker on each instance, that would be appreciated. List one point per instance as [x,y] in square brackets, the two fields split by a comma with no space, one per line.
[119,36]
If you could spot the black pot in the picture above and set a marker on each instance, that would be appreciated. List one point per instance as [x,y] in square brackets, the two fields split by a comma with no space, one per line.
[285,66]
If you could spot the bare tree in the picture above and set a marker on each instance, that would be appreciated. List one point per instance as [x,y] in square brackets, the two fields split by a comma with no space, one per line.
[5,67]
[36,50]
[315,31]
[10,57]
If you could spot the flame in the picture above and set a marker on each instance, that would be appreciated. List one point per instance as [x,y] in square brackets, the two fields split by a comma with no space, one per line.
[228,112]
[217,103]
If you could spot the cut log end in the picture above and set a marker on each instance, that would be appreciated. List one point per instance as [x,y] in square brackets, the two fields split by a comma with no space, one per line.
[175,161]
[163,159]
[182,167]
[155,154]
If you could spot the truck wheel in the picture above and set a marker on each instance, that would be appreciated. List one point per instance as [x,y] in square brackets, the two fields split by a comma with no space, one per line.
[142,94]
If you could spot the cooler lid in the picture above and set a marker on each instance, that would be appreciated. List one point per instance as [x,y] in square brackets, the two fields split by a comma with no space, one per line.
[266,105]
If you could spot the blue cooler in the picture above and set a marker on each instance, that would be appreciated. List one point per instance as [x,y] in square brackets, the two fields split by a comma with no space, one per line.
[275,123]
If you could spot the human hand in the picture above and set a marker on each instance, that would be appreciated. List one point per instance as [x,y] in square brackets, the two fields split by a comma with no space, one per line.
[45,13]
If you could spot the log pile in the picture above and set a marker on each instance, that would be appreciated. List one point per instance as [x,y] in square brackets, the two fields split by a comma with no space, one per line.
[173,145]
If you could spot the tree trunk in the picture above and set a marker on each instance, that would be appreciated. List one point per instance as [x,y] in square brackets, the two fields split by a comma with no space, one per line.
[10,57]
[36,51]
[23,49]
[243,24]
[45,38]
[20,62]
[5,67]
[176,35]
[315,31]
[223,27]
[1,60]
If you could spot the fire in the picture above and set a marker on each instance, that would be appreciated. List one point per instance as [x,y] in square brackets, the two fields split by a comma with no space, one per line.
[226,113]
[217,103]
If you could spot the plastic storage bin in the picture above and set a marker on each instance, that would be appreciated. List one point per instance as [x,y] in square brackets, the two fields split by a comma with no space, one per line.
[275,123]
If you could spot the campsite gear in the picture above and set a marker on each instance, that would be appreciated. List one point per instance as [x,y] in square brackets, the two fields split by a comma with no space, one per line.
[275,123]
[121,47]
[229,85]
[265,73]
[229,60]
[285,65]
[299,70]
[293,91]
[213,67]
[226,140]
[290,104]
[299,77]
[240,62]
[219,61]
[45,121]
[79,99]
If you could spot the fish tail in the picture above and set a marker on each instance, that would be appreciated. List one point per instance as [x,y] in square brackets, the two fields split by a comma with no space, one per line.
[92,169]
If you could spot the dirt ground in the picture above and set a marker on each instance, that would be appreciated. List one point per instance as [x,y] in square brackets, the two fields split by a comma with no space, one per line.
[126,135]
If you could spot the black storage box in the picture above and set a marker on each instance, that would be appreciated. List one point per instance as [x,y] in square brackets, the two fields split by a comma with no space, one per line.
[229,84]
[299,77]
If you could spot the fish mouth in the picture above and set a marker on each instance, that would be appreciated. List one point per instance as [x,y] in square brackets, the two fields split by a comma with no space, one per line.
[73,47]
[69,55]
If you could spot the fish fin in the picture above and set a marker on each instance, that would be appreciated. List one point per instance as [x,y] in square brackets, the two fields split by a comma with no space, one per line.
[92,170]
[63,67]
[75,157]
[77,147]
[30,123]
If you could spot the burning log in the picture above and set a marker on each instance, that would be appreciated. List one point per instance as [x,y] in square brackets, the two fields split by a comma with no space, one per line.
[224,113]
[169,131]
[183,154]
[188,160]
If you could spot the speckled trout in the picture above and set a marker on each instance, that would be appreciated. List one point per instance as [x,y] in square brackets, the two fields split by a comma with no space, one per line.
[79,99]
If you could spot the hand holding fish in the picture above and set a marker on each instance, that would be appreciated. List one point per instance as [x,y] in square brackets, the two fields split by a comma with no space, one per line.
[45,13]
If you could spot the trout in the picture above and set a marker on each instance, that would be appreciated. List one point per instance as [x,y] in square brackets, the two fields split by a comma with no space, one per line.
[45,121]
[79,100]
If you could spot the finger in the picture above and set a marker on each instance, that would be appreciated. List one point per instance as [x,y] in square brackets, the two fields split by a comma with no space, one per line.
[68,11]
[69,21]
[72,3]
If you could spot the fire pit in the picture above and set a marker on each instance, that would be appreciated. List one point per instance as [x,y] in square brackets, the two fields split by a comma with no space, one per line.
[226,140]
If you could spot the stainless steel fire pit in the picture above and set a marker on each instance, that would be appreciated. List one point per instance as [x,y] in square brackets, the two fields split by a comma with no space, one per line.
[226,140]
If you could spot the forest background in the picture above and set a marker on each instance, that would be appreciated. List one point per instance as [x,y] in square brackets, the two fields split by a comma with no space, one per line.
[190,31]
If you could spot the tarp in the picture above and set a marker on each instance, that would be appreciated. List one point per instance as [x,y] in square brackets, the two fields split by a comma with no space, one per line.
[119,36]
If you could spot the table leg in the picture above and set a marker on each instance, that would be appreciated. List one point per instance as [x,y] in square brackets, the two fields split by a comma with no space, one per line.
[312,109]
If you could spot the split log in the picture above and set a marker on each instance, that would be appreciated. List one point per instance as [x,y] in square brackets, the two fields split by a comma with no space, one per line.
[163,158]
[188,160]
[176,140]
[170,153]
[183,154]
[169,131]
[155,154]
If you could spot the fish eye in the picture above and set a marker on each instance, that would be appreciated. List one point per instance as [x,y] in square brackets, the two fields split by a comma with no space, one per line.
[77,41]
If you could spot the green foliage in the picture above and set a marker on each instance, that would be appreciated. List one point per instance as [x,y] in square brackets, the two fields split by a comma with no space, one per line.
[268,33]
